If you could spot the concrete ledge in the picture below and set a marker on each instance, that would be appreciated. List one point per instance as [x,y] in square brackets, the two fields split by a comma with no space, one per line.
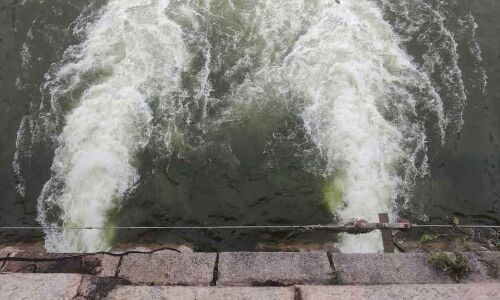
[168,268]
[199,293]
[484,291]
[273,268]
[74,286]
[407,268]
[382,268]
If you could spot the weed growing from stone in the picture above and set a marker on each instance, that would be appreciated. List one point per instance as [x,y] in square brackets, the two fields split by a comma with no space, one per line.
[336,278]
[454,264]
[427,238]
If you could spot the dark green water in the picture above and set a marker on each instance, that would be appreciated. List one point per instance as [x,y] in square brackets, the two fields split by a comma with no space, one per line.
[231,162]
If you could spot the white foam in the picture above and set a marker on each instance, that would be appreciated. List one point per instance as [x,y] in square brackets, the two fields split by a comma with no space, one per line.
[475,51]
[349,63]
[342,64]
[21,152]
[135,54]
[426,23]
[355,79]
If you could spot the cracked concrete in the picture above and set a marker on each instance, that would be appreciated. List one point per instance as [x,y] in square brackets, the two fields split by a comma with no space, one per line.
[216,270]
[99,264]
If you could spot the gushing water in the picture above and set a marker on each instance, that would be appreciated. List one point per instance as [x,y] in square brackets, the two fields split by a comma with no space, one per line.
[136,55]
[359,109]
[148,71]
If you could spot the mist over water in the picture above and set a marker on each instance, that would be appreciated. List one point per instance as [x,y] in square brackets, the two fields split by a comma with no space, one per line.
[356,94]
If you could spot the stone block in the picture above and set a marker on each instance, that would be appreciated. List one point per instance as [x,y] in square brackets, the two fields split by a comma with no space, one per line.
[273,268]
[491,262]
[168,268]
[472,291]
[201,293]
[92,287]
[62,265]
[42,262]
[384,268]
[39,286]
[480,271]
[5,252]
[100,264]
[19,267]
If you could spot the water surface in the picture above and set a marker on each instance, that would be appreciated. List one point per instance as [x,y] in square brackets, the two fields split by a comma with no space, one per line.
[148,113]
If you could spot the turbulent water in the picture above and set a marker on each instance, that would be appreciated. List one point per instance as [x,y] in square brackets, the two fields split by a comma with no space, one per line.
[344,107]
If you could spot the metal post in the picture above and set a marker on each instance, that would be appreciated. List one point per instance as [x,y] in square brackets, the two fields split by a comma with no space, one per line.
[386,234]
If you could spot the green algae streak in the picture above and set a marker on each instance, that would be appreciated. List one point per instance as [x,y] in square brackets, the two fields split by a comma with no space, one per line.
[333,191]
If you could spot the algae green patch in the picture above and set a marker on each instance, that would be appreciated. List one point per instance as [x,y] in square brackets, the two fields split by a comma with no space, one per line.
[333,191]
[110,232]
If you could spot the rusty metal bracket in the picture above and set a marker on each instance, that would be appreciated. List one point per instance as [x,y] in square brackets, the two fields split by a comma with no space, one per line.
[386,232]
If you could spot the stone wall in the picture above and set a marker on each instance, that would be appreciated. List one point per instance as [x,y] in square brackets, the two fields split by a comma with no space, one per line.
[96,275]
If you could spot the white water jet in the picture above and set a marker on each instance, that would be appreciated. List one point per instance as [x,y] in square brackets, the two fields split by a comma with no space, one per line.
[346,64]
[360,99]
[135,54]
[359,111]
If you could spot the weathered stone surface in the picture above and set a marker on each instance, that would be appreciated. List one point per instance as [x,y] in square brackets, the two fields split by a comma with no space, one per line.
[4,252]
[19,267]
[273,268]
[39,286]
[473,291]
[23,248]
[384,268]
[491,262]
[122,248]
[100,264]
[168,268]
[480,271]
[63,265]
[41,262]
[92,287]
[200,293]
[405,268]
[489,256]
[185,249]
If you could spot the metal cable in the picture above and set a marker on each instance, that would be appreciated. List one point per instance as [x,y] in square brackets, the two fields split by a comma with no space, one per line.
[228,227]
